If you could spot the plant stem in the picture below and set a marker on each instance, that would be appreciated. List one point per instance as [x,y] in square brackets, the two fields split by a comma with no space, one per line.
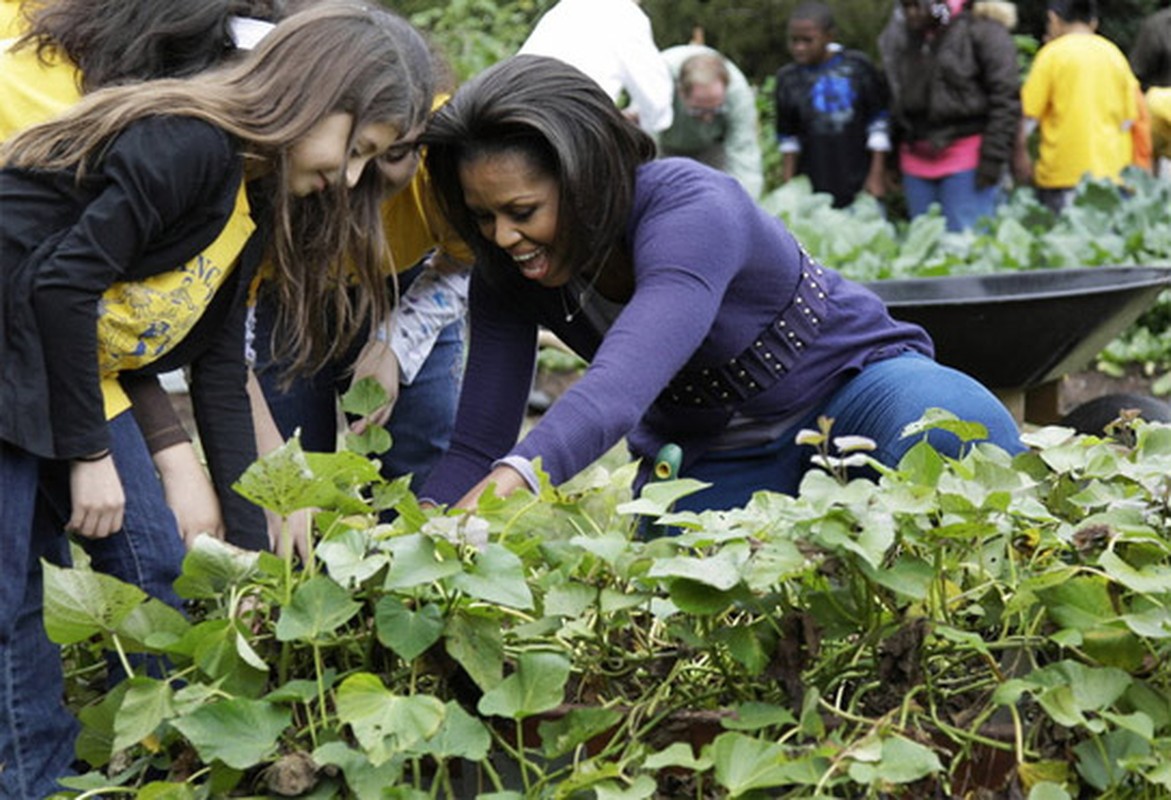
[121,654]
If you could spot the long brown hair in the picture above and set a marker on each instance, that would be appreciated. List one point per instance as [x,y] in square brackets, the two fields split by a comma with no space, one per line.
[333,57]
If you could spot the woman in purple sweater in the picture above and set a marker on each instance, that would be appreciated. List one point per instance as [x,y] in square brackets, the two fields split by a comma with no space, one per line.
[704,321]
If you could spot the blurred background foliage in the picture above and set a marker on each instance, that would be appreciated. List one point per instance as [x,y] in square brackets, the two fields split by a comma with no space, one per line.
[476,33]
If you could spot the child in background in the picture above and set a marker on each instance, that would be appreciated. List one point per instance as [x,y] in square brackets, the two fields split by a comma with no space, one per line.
[955,106]
[832,120]
[1084,96]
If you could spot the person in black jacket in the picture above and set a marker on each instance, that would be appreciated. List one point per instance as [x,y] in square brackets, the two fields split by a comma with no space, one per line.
[956,106]
[96,210]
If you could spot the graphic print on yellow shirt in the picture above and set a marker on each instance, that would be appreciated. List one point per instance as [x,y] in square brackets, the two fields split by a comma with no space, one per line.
[140,321]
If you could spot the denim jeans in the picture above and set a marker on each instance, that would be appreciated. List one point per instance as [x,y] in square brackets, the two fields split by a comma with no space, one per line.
[423,417]
[876,403]
[36,730]
[963,203]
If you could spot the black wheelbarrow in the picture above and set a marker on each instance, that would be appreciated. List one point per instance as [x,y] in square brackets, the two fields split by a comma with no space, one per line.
[1018,333]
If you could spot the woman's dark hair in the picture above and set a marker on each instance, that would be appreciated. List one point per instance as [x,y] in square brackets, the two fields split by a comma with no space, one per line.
[1075,10]
[116,41]
[567,126]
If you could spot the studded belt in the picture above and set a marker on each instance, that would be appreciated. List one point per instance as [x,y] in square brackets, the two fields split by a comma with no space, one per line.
[760,365]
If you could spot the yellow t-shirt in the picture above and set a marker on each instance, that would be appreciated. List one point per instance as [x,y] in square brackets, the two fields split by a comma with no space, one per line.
[11,21]
[141,321]
[33,91]
[414,225]
[1084,95]
[1159,108]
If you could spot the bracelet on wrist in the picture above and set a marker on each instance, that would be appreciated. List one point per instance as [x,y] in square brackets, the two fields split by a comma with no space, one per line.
[98,456]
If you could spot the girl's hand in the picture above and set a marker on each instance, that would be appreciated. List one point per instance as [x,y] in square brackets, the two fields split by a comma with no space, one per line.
[189,493]
[98,502]
[378,361]
[300,522]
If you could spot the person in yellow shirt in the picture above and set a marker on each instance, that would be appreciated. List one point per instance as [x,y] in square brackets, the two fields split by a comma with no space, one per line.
[1083,95]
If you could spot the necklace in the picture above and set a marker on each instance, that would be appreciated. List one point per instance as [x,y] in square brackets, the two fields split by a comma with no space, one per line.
[582,297]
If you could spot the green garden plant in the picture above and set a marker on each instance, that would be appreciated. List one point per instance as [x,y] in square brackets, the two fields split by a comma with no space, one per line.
[950,626]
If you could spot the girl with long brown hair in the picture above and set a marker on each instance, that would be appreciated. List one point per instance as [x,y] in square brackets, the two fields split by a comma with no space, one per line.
[96,210]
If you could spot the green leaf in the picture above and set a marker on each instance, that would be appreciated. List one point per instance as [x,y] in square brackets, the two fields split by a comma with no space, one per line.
[212,568]
[364,397]
[460,736]
[679,755]
[418,560]
[743,763]
[693,597]
[496,576]
[755,716]
[408,633]
[475,642]
[375,439]
[319,607]
[721,571]
[940,419]
[1101,760]
[658,497]
[579,725]
[907,576]
[537,685]
[1150,579]
[95,743]
[146,704]
[280,481]
[215,649]
[239,732]
[347,559]
[901,761]
[1048,791]
[367,781]
[639,788]
[80,603]
[569,599]
[744,644]
[151,626]
[166,790]
[386,724]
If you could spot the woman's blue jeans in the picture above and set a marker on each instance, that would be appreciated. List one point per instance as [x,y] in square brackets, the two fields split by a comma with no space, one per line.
[963,203]
[876,403]
[420,425]
[36,730]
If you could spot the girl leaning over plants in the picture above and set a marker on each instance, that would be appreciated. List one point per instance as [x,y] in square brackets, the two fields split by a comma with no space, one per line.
[98,208]
[705,322]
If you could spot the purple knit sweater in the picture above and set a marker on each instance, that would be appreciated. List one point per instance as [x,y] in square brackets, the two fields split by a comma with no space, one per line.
[712,269]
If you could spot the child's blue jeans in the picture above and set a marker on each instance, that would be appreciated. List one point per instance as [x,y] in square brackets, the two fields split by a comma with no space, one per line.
[36,730]
[962,202]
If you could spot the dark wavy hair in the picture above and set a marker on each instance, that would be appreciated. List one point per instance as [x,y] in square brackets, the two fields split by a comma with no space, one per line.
[116,41]
[568,127]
